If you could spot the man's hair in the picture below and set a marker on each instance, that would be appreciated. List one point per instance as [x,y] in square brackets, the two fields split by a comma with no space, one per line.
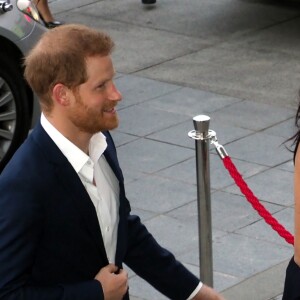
[60,57]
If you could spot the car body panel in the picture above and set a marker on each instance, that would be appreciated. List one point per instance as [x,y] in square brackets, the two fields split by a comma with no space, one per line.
[16,25]
[23,32]
[19,32]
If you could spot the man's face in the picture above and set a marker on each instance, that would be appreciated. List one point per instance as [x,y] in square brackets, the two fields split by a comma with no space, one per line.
[95,100]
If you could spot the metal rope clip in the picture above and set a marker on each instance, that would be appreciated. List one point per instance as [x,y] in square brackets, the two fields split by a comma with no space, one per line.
[220,149]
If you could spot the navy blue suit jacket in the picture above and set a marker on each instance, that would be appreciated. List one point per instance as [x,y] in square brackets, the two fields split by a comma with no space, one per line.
[51,246]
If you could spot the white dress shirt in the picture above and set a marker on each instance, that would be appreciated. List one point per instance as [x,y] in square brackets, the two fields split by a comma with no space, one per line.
[98,179]
[100,183]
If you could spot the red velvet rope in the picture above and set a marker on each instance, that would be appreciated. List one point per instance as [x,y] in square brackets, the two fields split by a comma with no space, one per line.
[255,202]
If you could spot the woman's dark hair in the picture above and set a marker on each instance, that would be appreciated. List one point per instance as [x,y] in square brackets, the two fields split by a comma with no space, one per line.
[296,137]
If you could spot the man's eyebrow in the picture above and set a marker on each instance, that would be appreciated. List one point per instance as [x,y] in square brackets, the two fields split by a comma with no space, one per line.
[103,80]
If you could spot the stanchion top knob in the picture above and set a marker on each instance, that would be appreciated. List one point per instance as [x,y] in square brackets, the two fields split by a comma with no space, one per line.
[201,123]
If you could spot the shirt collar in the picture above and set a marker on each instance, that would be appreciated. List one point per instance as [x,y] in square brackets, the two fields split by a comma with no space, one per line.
[97,146]
[75,156]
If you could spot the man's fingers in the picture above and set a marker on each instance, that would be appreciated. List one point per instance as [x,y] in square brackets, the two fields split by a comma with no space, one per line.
[112,268]
[123,272]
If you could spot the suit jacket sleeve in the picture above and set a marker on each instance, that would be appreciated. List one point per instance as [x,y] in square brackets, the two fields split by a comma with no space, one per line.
[157,265]
[21,225]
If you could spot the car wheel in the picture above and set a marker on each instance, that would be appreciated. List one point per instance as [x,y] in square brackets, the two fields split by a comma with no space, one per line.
[14,109]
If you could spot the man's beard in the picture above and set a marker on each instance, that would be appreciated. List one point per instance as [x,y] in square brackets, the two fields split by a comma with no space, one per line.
[91,120]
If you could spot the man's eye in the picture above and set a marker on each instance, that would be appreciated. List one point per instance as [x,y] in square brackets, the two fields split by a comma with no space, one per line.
[102,86]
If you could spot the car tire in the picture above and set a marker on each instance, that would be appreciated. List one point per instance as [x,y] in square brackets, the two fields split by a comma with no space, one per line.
[15,118]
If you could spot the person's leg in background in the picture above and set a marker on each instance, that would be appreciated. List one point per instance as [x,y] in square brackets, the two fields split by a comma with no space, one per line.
[45,13]
[148,1]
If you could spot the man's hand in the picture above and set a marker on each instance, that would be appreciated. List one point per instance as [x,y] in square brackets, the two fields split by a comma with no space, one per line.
[114,285]
[207,293]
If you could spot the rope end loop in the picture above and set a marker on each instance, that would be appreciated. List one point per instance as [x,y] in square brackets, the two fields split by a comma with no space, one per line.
[220,148]
[221,151]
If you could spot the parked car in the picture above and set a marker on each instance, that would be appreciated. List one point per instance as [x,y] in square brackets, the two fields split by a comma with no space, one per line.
[20,29]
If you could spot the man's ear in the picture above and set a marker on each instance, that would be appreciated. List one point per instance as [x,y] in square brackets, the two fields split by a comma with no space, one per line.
[61,94]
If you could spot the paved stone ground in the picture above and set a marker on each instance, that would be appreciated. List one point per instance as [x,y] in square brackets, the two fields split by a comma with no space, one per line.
[236,61]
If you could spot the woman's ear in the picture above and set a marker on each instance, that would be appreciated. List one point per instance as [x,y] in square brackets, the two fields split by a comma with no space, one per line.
[61,94]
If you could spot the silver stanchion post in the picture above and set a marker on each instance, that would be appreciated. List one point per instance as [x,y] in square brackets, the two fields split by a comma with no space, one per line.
[202,141]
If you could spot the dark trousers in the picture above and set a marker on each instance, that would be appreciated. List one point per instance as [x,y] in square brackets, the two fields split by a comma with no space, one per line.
[292,282]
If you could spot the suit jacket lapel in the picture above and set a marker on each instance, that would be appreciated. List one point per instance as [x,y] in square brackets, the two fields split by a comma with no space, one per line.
[111,157]
[72,185]
[82,201]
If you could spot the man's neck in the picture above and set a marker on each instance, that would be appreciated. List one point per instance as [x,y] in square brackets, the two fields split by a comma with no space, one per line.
[73,134]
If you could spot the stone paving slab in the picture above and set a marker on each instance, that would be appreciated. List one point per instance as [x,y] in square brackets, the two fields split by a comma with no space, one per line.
[230,213]
[260,230]
[285,129]
[123,138]
[136,155]
[242,256]
[186,171]
[260,148]
[144,120]
[244,73]
[137,90]
[288,166]
[252,115]
[273,185]
[158,45]
[205,18]
[283,37]
[255,287]
[166,195]
[192,102]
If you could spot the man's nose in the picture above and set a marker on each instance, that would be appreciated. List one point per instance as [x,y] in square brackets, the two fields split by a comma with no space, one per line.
[114,93]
